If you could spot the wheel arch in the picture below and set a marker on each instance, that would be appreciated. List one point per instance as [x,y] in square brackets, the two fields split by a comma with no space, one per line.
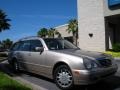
[11,61]
[58,64]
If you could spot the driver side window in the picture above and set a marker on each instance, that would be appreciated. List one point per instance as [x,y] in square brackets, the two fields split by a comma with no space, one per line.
[34,44]
[25,46]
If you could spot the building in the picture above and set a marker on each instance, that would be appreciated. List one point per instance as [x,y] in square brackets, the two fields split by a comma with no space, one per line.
[62,29]
[99,24]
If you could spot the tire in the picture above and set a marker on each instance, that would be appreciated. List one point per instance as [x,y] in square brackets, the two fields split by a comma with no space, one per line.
[63,77]
[16,66]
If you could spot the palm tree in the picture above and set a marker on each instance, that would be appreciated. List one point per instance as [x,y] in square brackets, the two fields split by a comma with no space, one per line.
[57,33]
[73,28]
[4,21]
[51,32]
[43,32]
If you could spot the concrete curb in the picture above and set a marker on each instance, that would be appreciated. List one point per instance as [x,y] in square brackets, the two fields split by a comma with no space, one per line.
[3,60]
[25,82]
[117,58]
[28,84]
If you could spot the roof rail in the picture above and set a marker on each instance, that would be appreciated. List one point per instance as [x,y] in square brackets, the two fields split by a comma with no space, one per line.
[27,37]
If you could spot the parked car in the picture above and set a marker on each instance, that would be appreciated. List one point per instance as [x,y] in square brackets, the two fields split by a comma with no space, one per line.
[60,60]
[1,50]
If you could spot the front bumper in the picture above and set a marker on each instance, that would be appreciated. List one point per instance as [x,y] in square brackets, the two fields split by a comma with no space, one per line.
[85,77]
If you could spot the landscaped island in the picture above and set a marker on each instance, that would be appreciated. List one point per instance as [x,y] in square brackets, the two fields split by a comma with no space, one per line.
[6,83]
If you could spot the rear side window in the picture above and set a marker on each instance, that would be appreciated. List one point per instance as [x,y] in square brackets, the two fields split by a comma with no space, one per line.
[35,43]
[15,46]
[25,46]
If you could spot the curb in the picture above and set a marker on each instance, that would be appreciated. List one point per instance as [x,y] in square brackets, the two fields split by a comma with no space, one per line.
[117,58]
[28,84]
[3,60]
[24,82]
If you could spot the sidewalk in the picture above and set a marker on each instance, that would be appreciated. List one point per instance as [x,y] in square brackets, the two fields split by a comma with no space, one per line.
[27,83]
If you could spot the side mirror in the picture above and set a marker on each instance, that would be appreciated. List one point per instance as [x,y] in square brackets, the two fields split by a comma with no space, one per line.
[39,49]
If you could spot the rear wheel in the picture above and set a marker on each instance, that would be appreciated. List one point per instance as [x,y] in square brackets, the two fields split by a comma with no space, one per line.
[63,77]
[15,66]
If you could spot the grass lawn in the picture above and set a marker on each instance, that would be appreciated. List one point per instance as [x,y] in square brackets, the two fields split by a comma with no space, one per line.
[7,83]
[114,54]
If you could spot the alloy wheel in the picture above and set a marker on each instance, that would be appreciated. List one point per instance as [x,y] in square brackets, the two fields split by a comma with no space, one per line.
[63,77]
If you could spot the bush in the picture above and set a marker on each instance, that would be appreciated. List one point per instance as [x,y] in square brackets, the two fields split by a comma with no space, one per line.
[116,47]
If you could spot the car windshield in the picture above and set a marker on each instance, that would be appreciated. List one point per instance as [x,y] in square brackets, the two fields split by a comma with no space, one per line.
[59,44]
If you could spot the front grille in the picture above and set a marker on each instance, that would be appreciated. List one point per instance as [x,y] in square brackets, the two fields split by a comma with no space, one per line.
[105,62]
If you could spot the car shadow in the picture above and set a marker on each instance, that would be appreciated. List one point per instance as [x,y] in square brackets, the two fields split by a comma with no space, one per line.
[111,83]
[37,76]
[5,67]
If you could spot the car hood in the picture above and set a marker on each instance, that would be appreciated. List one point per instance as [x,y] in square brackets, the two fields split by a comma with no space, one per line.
[82,53]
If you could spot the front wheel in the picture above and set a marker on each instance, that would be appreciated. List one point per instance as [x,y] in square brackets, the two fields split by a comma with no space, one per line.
[63,77]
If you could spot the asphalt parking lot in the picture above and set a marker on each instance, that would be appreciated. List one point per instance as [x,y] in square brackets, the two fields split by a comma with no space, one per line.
[111,83]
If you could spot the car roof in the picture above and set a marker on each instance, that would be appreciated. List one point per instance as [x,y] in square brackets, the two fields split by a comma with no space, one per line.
[29,38]
[35,37]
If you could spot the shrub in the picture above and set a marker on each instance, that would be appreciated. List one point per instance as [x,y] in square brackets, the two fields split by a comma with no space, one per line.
[116,47]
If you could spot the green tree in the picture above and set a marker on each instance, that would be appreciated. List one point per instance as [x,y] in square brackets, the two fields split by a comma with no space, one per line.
[7,43]
[51,33]
[73,28]
[43,32]
[4,21]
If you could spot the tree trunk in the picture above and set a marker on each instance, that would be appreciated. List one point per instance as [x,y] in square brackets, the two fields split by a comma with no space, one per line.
[74,39]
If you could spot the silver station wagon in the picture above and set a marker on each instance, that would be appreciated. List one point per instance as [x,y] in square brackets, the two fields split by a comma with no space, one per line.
[60,60]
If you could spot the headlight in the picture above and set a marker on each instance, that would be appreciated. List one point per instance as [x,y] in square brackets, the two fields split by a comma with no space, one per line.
[89,64]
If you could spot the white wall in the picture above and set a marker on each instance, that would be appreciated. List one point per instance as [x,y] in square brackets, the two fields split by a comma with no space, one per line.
[91,20]
[62,30]
[107,11]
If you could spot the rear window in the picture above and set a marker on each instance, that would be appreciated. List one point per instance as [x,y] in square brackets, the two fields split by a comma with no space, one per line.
[15,46]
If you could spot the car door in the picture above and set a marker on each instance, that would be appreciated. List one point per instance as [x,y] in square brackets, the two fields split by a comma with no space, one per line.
[36,59]
[23,54]
[13,53]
